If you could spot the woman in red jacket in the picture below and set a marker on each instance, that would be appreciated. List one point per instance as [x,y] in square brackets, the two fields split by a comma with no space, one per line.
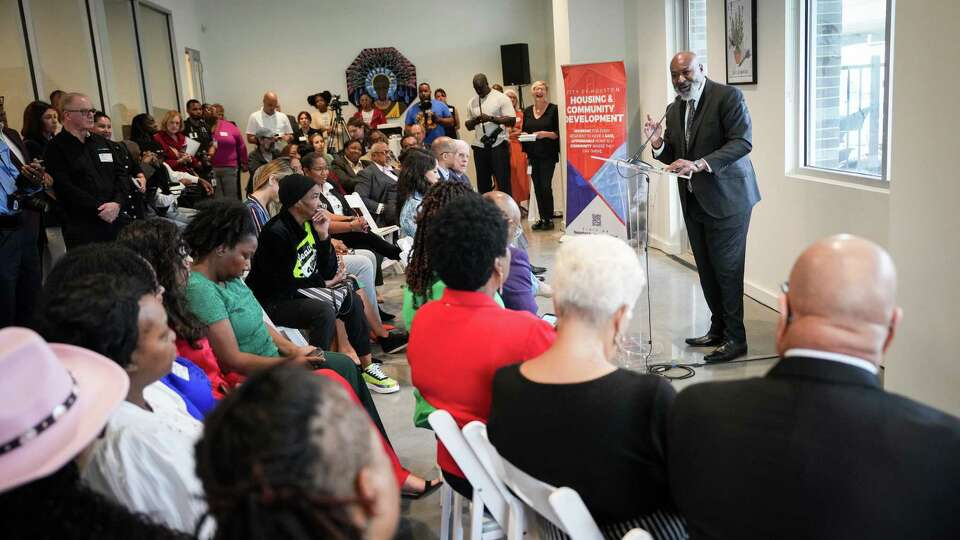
[370,115]
[174,144]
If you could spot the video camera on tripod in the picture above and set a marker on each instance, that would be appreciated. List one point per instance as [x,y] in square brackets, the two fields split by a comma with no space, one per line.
[336,104]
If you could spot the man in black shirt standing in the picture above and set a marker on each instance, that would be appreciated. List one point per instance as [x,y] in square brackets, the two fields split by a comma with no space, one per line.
[88,179]
[195,127]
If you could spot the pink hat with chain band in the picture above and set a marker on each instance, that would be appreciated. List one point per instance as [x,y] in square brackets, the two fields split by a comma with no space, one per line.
[54,400]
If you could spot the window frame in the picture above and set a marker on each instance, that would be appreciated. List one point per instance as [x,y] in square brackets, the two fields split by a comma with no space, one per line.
[806,66]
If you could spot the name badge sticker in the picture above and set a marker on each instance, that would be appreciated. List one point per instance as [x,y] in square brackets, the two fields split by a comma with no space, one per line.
[106,158]
[224,134]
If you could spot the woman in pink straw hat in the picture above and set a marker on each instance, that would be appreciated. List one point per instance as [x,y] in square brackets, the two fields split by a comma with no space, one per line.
[54,401]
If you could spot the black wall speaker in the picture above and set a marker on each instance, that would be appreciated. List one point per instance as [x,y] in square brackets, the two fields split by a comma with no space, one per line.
[515,59]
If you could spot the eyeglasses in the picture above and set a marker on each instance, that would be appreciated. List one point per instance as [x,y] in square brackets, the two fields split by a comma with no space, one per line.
[319,169]
[81,111]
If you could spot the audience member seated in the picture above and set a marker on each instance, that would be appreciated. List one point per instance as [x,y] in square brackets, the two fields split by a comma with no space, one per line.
[142,129]
[457,344]
[174,144]
[144,460]
[303,130]
[318,144]
[222,240]
[186,388]
[361,263]
[90,185]
[71,392]
[295,256]
[40,124]
[377,186]
[415,131]
[160,242]
[264,153]
[230,157]
[422,282]
[358,130]
[459,169]
[420,171]
[321,120]
[367,113]
[430,114]
[266,190]
[314,470]
[375,137]
[292,152]
[269,119]
[409,141]
[603,427]
[817,448]
[158,196]
[347,165]
[522,286]
[445,150]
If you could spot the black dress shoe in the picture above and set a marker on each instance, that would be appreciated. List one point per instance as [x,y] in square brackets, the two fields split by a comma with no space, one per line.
[537,269]
[547,225]
[730,350]
[538,225]
[707,340]
[384,316]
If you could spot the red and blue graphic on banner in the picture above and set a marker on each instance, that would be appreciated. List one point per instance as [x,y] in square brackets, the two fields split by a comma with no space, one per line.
[596,112]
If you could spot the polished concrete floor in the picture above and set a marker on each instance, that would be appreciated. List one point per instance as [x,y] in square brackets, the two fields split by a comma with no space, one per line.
[678,311]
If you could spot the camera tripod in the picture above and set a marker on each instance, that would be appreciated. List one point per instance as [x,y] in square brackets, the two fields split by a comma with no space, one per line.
[339,136]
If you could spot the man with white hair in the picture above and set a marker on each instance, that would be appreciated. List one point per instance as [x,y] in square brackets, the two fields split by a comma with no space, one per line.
[458,171]
[377,186]
[521,286]
[445,151]
[817,448]
[270,118]
[709,136]
[88,176]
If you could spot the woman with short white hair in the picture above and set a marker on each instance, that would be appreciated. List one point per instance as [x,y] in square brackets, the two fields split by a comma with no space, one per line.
[603,427]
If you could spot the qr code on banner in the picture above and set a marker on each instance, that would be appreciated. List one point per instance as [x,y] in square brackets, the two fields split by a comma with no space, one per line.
[595,220]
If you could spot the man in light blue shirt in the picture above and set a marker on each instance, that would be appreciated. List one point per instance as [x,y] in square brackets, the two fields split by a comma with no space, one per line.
[430,113]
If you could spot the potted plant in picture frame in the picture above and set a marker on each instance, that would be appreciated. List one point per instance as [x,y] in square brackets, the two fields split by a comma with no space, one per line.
[741,41]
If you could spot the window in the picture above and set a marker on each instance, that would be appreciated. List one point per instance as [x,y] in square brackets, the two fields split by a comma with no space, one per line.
[65,55]
[846,86]
[696,31]
[154,27]
[121,63]
[16,82]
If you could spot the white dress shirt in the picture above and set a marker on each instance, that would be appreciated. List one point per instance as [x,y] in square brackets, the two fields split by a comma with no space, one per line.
[335,206]
[834,357]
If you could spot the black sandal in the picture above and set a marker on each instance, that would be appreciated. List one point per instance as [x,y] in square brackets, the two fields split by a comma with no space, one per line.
[429,486]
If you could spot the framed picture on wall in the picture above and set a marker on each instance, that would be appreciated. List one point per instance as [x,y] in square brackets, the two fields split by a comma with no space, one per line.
[740,23]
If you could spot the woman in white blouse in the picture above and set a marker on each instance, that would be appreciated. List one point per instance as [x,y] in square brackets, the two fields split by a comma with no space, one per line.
[144,460]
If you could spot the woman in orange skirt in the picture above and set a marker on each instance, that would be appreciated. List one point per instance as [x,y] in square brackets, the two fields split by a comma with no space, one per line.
[519,179]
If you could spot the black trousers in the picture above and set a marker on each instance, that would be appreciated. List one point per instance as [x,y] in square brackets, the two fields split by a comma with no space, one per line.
[542,175]
[493,162]
[20,273]
[320,319]
[720,248]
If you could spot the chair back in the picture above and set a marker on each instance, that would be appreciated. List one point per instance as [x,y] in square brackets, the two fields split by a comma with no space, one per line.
[483,484]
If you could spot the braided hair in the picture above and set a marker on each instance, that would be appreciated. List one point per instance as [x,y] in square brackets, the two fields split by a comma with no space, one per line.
[420,274]
[279,458]
[159,242]
[218,223]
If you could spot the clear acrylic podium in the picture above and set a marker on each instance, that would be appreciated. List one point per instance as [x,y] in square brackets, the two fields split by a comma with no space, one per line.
[638,348]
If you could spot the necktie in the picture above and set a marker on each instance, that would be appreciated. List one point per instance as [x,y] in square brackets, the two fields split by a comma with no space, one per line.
[691,111]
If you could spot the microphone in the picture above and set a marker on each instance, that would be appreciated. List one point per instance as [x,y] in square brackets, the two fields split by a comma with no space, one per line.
[635,158]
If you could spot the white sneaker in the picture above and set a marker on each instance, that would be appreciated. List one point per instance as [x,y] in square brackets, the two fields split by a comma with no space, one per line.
[378,381]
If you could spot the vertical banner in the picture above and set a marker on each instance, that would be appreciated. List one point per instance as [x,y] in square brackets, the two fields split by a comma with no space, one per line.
[596,111]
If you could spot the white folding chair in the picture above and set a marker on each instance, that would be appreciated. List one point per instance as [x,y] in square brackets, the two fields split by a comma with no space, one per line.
[476,435]
[562,507]
[487,500]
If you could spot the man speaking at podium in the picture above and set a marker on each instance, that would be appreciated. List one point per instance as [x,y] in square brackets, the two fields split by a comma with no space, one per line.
[708,135]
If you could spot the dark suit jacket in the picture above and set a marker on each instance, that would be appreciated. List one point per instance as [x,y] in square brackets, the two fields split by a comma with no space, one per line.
[814,450]
[341,169]
[722,135]
[375,187]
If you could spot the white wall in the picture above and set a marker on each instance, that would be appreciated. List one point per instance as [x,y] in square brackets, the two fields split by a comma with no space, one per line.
[924,220]
[300,47]
[186,33]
